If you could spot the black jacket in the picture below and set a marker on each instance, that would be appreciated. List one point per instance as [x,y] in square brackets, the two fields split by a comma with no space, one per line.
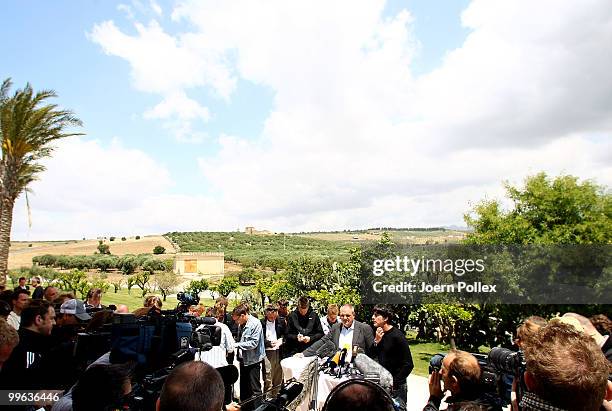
[281,332]
[38,293]
[307,325]
[363,337]
[458,402]
[32,364]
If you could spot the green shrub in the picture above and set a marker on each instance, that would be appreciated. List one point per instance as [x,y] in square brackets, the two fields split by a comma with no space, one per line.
[158,249]
[111,239]
[123,238]
[138,237]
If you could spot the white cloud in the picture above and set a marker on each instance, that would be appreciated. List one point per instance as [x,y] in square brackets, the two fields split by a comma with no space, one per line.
[354,139]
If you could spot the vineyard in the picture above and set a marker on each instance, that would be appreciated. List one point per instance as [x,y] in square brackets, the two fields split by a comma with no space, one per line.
[254,249]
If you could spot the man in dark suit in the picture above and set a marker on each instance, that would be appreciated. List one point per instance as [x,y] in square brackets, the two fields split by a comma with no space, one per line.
[22,284]
[274,330]
[348,334]
[38,292]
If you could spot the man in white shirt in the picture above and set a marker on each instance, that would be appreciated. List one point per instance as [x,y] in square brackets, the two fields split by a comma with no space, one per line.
[20,301]
[274,333]
[217,356]
[349,334]
[328,321]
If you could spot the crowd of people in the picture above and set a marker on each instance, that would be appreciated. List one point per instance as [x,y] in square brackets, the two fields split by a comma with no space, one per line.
[567,360]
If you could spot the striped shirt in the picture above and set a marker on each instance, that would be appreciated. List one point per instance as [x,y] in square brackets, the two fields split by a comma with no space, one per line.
[217,356]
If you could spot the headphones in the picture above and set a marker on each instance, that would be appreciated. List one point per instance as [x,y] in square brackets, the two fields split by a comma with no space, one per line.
[387,404]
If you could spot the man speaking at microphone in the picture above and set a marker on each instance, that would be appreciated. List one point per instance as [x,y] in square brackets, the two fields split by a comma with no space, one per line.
[392,350]
[348,334]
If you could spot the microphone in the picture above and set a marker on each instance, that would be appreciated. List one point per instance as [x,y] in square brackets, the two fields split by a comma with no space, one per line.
[327,350]
[335,360]
[229,374]
[373,371]
[342,357]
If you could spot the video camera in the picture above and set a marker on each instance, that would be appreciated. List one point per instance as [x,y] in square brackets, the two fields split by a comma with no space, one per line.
[495,374]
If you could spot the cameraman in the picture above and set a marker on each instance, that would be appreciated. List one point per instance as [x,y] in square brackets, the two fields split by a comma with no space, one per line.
[460,373]
[193,386]
[565,370]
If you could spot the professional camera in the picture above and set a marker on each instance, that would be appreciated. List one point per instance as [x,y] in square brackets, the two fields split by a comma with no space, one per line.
[435,363]
[507,361]
[492,383]
[186,300]
[287,394]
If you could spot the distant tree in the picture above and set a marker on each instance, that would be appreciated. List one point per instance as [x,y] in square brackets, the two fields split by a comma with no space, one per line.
[73,280]
[138,238]
[545,211]
[227,285]
[127,264]
[28,128]
[63,262]
[105,263]
[130,282]
[195,287]
[111,239]
[158,249]
[276,264]
[152,265]
[46,260]
[141,280]
[123,238]
[246,276]
[166,282]
[103,248]
[117,285]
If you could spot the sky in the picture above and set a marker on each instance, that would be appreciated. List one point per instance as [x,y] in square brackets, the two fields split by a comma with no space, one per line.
[306,115]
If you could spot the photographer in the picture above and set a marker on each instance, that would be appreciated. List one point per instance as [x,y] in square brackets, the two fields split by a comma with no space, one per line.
[460,373]
[565,370]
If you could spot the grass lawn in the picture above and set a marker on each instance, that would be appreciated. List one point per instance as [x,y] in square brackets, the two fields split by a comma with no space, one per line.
[422,353]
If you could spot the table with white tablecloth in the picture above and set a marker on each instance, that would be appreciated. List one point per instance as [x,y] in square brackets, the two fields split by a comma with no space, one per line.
[295,367]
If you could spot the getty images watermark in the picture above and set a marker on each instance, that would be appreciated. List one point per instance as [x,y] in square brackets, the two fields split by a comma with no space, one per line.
[414,266]
[508,274]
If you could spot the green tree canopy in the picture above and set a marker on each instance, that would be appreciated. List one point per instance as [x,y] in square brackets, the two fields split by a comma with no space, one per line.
[545,211]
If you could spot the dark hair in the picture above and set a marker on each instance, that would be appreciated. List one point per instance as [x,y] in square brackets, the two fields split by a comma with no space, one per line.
[386,312]
[17,292]
[101,387]
[282,302]
[192,386]
[5,308]
[22,278]
[34,309]
[358,395]
[303,302]
[240,309]
[94,291]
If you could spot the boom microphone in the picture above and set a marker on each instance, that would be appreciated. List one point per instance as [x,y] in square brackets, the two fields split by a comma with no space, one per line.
[229,374]
[373,371]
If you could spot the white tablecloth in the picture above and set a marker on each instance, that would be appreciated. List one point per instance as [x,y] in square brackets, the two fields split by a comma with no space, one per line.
[293,368]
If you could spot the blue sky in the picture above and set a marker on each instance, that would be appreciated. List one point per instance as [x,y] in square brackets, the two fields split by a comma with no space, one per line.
[298,116]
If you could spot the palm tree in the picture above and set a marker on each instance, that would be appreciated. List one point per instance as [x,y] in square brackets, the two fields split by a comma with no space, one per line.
[28,126]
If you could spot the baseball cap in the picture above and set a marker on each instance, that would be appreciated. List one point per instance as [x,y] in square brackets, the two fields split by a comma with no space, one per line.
[76,308]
